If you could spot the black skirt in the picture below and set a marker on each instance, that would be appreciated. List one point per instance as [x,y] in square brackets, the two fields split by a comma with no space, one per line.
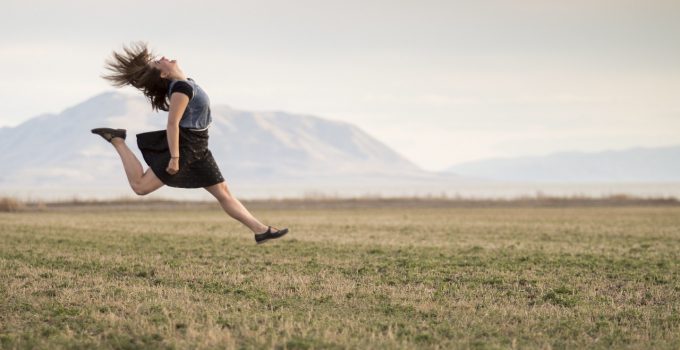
[197,167]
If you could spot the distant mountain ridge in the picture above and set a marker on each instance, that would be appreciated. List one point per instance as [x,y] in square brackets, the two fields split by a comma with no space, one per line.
[268,154]
[250,147]
[659,164]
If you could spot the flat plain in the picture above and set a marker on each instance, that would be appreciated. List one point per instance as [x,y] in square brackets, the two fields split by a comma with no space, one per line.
[163,277]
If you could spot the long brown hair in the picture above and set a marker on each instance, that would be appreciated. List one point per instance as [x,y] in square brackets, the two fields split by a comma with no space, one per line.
[131,67]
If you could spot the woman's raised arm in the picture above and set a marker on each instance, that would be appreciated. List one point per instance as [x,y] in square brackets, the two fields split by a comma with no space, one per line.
[178,103]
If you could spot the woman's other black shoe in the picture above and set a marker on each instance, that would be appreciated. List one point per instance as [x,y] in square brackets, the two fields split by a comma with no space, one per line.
[108,133]
[263,237]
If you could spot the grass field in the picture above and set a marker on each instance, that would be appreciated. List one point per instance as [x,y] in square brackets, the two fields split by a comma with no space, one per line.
[561,278]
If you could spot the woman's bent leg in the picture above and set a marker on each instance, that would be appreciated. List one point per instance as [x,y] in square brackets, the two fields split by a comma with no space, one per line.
[141,182]
[234,208]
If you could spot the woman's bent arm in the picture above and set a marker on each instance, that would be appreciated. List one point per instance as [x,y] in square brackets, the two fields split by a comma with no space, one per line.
[178,103]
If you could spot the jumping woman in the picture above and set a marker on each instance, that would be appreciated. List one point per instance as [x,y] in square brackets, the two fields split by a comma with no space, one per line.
[177,156]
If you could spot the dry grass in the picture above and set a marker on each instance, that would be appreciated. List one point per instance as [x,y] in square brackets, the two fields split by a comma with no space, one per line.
[143,203]
[344,278]
[10,204]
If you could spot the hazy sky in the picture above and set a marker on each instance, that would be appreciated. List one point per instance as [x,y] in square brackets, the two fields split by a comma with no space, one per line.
[441,82]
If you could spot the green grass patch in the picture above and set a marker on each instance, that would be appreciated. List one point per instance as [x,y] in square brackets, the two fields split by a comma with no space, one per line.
[343,278]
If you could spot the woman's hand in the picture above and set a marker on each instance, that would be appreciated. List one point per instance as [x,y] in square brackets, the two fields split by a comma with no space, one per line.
[173,166]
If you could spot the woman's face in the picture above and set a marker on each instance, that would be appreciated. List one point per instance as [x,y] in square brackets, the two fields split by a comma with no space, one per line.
[166,66]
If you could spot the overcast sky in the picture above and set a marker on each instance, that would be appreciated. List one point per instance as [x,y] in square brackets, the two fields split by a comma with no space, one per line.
[441,82]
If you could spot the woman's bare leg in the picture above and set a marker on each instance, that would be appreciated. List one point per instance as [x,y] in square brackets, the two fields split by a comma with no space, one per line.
[234,208]
[141,182]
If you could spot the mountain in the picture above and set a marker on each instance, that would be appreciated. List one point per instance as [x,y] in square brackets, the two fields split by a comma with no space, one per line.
[660,164]
[57,152]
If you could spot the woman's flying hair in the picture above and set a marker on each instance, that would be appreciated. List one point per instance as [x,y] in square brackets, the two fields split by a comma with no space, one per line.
[131,67]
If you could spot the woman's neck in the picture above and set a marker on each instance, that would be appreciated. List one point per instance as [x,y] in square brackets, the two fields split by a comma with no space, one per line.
[178,75]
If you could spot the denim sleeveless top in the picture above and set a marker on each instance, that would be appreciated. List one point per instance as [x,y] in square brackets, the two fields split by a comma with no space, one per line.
[197,114]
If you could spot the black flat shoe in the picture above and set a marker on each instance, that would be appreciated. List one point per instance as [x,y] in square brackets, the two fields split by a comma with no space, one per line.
[263,237]
[108,133]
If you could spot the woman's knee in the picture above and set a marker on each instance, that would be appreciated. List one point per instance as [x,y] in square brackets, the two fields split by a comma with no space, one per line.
[147,184]
[140,190]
